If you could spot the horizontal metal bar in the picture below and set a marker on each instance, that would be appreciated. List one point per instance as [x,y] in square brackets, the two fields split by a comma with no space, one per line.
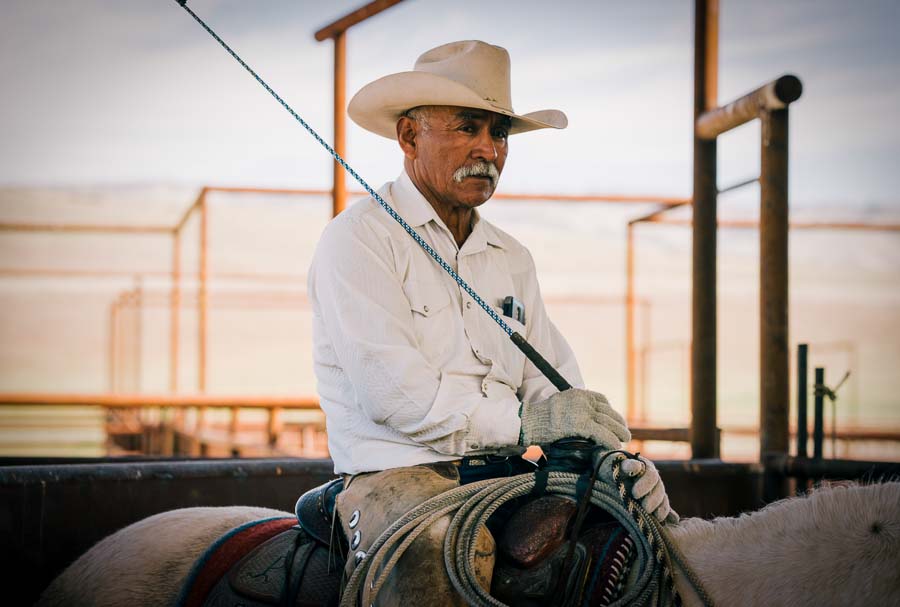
[657,213]
[166,470]
[524,196]
[668,201]
[350,19]
[293,279]
[788,465]
[288,191]
[84,228]
[774,95]
[675,435]
[794,225]
[682,434]
[739,185]
[159,400]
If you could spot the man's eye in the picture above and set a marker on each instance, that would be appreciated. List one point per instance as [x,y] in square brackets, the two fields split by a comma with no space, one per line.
[501,133]
[467,128]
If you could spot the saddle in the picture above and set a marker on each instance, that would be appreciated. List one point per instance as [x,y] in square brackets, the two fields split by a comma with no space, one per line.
[539,562]
[533,549]
[315,511]
[299,562]
[278,562]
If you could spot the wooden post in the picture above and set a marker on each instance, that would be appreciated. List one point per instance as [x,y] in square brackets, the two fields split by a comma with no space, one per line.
[309,440]
[198,446]
[202,294]
[631,406]
[774,381]
[138,334]
[233,422]
[337,31]
[273,428]
[339,187]
[114,346]
[704,443]
[175,312]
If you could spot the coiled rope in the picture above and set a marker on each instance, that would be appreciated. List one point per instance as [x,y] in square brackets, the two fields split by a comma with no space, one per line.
[473,505]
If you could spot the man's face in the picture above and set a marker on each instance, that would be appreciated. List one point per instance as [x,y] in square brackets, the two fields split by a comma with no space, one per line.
[456,154]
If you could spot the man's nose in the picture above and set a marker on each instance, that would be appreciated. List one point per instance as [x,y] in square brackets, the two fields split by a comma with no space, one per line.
[485,146]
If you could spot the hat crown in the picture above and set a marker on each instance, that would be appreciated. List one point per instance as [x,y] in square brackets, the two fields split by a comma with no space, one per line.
[482,67]
[469,73]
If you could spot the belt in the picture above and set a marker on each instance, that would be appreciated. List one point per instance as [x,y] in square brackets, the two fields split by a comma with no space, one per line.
[480,467]
[481,460]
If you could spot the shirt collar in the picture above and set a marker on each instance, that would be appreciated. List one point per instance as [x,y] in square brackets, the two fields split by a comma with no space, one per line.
[417,211]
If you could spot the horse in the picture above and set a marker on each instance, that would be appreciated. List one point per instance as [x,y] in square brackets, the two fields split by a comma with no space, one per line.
[838,545]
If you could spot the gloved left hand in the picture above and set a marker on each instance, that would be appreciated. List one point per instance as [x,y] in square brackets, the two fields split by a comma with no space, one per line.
[648,487]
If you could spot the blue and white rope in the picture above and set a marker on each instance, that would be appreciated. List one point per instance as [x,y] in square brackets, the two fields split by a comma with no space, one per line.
[409,230]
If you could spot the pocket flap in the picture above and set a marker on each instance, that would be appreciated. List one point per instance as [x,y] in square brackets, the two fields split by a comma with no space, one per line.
[426,298]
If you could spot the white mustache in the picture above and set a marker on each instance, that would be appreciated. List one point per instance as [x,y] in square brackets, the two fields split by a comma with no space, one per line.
[479,169]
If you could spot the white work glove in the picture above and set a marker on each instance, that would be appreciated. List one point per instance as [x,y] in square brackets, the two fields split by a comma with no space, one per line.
[573,413]
[648,488]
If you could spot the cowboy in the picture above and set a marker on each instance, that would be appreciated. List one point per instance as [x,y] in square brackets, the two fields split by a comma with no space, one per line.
[419,387]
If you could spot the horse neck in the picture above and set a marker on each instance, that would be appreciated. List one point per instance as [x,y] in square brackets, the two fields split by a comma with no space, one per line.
[798,547]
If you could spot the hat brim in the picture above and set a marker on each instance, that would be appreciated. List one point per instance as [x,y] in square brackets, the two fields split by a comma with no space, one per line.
[378,105]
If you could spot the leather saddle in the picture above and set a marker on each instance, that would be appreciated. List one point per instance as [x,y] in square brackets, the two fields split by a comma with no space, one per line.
[298,567]
[302,566]
[315,511]
[534,551]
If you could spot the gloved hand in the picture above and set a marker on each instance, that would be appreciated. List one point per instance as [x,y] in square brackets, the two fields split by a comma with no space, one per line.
[573,413]
[648,489]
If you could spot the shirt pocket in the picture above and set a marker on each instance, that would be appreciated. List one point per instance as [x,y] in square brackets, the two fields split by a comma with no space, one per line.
[514,324]
[509,362]
[432,316]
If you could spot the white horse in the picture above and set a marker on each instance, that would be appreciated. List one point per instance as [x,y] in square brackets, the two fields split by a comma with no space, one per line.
[838,546]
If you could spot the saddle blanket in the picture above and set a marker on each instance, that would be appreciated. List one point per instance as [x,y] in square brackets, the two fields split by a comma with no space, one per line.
[225,553]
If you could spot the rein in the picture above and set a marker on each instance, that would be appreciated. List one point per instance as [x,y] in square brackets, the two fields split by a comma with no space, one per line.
[533,355]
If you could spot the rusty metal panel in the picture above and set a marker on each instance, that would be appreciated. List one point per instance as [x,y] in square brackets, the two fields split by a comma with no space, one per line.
[832,469]
[710,488]
[52,514]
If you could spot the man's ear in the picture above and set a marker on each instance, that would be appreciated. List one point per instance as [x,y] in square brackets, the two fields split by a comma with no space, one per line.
[407,130]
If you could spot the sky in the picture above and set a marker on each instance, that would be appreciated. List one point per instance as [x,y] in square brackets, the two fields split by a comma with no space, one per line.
[134,91]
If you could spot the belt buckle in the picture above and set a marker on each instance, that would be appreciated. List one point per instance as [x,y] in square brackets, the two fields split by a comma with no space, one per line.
[483,460]
[495,459]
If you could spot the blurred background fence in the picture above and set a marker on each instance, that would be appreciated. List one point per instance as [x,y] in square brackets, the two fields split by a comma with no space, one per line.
[189,333]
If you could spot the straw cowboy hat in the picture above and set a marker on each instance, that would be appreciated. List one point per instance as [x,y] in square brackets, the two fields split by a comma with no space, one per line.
[469,73]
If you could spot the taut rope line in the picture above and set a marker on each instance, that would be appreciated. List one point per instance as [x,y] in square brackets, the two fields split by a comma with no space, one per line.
[543,366]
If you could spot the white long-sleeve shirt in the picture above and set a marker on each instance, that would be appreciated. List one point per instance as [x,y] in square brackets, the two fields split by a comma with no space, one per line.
[410,370]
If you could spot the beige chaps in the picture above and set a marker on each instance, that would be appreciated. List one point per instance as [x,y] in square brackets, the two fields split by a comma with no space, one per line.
[372,501]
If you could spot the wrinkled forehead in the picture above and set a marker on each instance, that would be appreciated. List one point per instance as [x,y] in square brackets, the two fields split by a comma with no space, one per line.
[455,113]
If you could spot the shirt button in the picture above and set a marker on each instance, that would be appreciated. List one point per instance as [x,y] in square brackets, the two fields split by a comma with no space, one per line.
[468,305]
[425,308]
